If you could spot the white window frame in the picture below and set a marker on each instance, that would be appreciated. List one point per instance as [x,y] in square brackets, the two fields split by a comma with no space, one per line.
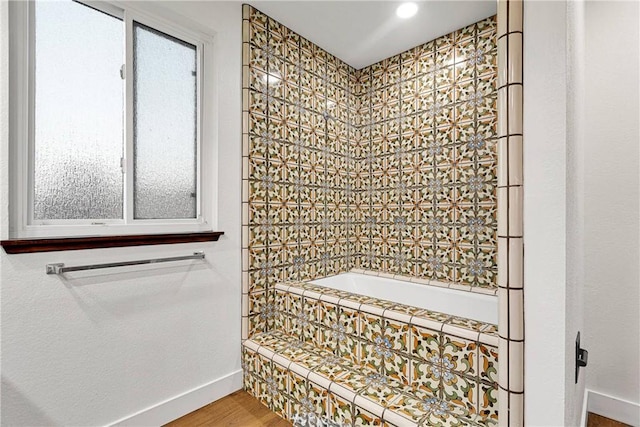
[21,126]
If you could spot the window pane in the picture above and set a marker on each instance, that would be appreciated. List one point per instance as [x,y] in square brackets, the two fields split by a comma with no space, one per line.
[164,125]
[78,112]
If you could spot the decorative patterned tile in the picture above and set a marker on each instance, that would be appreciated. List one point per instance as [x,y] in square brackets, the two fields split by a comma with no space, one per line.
[424,378]
[398,334]
[478,267]
[488,363]
[461,354]
[442,415]
[352,380]
[434,377]
[410,407]
[318,397]
[332,367]
[248,361]
[373,355]
[250,385]
[279,401]
[398,367]
[468,324]
[461,391]
[391,168]
[488,404]
[297,386]
[371,326]
[380,389]
[363,417]
[340,410]
[425,343]
[348,347]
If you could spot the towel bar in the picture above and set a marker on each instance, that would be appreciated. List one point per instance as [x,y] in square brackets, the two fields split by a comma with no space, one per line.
[59,268]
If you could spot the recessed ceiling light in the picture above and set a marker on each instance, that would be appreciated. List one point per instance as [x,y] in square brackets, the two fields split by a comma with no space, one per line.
[407,10]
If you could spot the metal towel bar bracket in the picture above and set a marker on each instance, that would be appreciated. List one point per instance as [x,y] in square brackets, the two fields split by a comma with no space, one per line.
[59,268]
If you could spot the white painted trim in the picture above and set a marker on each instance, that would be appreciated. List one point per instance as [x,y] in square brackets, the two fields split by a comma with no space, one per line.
[184,403]
[585,411]
[614,408]
[21,222]
[168,19]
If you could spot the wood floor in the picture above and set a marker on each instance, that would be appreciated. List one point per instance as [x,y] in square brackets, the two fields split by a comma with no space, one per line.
[243,410]
[595,420]
[238,409]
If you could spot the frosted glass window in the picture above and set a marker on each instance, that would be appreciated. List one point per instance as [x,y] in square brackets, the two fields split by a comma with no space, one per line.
[165,123]
[78,112]
[110,118]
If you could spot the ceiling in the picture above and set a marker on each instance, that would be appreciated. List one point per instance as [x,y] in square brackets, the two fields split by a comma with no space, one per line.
[362,33]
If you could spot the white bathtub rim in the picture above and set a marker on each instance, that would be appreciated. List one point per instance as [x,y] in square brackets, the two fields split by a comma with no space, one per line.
[421,281]
[488,302]
[475,306]
[451,329]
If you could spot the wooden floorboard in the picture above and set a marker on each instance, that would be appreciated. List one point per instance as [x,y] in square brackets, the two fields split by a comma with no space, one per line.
[595,420]
[238,409]
[243,410]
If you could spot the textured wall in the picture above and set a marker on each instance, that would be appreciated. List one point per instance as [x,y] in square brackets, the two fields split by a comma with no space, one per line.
[138,345]
[388,168]
[612,208]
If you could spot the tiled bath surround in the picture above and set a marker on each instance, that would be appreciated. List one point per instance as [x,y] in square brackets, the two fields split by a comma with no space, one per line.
[391,168]
[378,358]
[425,199]
[297,132]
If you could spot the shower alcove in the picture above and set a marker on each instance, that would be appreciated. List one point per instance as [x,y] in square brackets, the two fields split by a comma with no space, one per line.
[403,174]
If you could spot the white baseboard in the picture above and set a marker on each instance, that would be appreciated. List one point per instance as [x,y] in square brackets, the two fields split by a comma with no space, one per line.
[184,403]
[614,408]
[585,412]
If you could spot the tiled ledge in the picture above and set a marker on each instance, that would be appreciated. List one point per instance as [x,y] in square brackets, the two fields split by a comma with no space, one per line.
[485,333]
[295,378]
[358,360]
[452,358]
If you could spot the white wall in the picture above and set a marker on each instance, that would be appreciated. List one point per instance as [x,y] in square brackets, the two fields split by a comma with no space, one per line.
[611,141]
[104,345]
[4,136]
[545,186]
[574,293]
[581,205]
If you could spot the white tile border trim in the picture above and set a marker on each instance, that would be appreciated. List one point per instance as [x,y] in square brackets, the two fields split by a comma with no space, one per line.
[184,403]
[612,407]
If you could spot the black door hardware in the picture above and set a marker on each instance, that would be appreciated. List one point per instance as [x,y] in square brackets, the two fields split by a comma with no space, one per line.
[582,356]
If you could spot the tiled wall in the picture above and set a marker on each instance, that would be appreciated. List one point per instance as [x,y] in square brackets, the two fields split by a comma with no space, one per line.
[389,168]
[297,113]
[425,201]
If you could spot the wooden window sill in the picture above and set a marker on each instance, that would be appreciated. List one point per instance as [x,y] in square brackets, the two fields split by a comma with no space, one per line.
[22,246]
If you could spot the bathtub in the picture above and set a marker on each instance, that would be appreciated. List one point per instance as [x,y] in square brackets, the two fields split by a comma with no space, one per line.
[469,305]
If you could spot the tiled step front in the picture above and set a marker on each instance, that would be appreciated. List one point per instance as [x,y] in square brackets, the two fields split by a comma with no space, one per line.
[453,358]
[355,360]
[296,379]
